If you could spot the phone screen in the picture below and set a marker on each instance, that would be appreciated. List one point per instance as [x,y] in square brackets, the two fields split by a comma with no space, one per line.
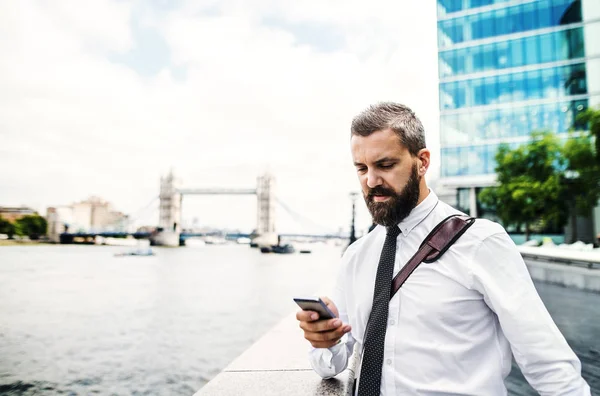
[317,305]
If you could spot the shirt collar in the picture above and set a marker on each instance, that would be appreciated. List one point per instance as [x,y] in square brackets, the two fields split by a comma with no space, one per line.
[418,213]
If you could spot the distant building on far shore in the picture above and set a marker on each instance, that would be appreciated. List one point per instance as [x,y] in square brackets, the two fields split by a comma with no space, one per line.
[12,213]
[91,215]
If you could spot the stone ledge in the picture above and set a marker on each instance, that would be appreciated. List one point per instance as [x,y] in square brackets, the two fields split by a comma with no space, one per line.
[277,364]
[564,275]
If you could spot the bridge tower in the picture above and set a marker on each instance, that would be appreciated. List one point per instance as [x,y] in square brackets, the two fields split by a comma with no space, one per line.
[170,211]
[265,204]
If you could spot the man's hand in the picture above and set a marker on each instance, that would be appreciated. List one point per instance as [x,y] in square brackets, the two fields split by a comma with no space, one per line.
[322,333]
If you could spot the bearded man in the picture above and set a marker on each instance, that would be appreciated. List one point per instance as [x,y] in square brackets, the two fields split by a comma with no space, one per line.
[455,324]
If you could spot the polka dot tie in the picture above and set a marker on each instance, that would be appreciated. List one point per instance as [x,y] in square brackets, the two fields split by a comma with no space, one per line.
[372,360]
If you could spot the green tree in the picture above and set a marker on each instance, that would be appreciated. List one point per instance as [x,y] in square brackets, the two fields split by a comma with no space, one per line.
[592,118]
[530,189]
[33,226]
[6,227]
[582,153]
[584,172]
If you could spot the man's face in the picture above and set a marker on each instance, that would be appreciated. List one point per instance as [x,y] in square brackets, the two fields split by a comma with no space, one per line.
[388,175]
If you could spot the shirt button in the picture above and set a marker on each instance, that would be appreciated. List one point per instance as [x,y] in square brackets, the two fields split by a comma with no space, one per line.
[389,361]
[392,322]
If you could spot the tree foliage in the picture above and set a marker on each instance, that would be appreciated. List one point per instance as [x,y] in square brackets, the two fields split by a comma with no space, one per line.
[6,227]
[583,160]
[33,226]
[530,189]
[584,168]
[592,118]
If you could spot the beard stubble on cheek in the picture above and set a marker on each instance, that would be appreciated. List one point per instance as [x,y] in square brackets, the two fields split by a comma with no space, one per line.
[398,206]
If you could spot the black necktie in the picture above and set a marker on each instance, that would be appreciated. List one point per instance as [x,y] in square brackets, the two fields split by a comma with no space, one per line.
[372,360]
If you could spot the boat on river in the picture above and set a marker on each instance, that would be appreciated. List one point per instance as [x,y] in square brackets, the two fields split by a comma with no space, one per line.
[137,252]
[280,249]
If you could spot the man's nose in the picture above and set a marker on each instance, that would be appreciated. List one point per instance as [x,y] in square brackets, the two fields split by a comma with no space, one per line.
[373,179]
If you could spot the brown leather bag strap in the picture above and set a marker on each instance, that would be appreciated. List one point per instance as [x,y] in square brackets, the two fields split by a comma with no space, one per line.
[434,246]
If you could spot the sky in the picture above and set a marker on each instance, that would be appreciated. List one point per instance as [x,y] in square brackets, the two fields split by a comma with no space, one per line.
[104,97]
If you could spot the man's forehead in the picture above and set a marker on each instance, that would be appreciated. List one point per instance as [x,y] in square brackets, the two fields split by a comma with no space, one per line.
[380,141]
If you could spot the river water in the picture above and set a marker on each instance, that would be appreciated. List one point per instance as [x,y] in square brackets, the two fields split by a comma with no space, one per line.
[76,320]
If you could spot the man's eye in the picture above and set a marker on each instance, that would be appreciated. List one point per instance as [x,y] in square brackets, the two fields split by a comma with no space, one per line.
[387,166]
[361,170]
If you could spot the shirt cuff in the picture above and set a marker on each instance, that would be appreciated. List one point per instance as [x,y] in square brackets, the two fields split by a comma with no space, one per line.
[330,352]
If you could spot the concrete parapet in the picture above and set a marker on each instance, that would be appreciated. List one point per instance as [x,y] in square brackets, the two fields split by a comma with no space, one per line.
[569,269]
[277,364]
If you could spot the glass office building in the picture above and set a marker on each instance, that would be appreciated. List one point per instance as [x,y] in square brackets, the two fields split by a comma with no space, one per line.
[507,68]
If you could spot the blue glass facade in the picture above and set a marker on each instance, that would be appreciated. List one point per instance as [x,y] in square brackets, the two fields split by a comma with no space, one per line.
[508,68]
[508,19]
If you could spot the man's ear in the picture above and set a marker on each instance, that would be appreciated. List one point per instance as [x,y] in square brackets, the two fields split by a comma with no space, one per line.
[424,157]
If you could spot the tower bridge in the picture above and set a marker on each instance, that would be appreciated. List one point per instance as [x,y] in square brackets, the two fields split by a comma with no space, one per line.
[171,203]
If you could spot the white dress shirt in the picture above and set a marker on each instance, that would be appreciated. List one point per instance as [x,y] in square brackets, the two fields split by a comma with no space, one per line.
[453,324]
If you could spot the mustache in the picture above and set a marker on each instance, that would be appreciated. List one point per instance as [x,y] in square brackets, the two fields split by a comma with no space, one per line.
[379,190]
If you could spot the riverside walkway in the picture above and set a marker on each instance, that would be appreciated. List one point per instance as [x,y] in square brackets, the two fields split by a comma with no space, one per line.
[277,364]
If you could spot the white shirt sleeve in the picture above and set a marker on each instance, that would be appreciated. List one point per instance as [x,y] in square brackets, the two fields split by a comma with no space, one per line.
[329,362]
[541,351]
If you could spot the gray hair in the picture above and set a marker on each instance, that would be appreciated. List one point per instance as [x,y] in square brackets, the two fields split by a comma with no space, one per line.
[395,116]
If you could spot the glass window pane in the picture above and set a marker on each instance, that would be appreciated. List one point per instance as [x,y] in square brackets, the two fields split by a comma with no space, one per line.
[515,19]
[487,24]
[534,84]
[529,17]
[504,89]
[490,158]
[502,22]
[523,124]
[457,32]
[519,88]
[544,13]
[478,92]
[517,57]
[459,57]
[474,21]
[505,122]
[575,40]
[547,53]
[460,94]
[550,82]
[445,96]
[489,57]
[563,123]
[491,90]
[550,117]
[561,43]
[502,54]
[531,50]
[535,117]
[476,164]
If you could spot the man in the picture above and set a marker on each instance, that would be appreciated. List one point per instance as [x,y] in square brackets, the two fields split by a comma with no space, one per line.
[455,324]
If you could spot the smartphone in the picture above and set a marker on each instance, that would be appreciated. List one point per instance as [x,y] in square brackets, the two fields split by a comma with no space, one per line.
[317,305]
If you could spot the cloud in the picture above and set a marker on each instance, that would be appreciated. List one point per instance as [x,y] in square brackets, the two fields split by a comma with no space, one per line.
[91,105]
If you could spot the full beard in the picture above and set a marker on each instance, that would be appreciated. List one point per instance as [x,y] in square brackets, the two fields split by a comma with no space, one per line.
[399,206]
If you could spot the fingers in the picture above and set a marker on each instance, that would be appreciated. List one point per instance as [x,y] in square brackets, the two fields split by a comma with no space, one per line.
[324,333]
[321,325]
[307,316]
[326,339]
